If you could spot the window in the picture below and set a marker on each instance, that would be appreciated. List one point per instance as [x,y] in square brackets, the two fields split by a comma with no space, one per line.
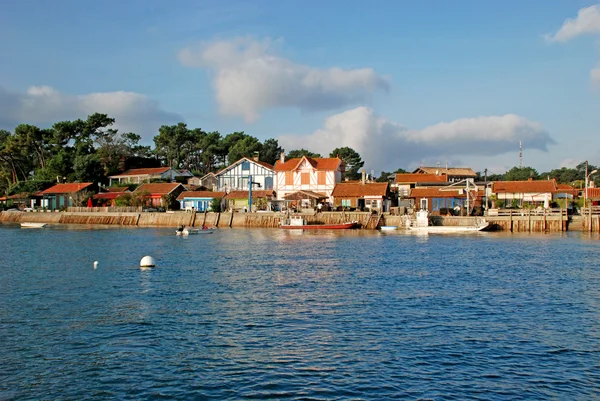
[321,178]
[246,165]
[424,203]
[346,202]
[305,178]
[289,178]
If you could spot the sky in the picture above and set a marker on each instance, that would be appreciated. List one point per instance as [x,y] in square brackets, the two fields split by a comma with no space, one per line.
[405,83]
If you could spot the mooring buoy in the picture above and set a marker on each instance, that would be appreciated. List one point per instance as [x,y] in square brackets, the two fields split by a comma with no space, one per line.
[147,261]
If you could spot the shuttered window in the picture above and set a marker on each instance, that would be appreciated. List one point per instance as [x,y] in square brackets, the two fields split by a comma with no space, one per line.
[321,178]
[305,178]
[289,178]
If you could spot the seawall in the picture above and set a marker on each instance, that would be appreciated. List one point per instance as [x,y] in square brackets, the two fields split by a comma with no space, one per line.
[528,223]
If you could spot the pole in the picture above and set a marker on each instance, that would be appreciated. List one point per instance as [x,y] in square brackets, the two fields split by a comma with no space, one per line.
[250,193]
[586,185]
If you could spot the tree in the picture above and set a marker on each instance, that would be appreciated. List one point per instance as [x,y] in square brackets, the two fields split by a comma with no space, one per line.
[352,162]
[384,177]
[521,174]
[215,205]
[297,153]
[244,148]
[270,151]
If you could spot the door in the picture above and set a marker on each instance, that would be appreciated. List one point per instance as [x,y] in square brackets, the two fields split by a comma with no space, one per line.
[424,204]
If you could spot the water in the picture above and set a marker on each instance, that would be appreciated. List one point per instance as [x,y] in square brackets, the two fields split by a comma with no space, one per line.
[271,314]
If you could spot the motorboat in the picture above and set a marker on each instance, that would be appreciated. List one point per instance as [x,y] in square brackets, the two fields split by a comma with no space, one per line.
[194,231]
[33,225]
[422,224]
[388,228]
[300,223]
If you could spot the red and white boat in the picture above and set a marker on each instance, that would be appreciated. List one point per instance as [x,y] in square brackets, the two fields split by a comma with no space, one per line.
[298,223]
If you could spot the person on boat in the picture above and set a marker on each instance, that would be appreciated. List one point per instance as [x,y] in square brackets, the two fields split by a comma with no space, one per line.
[204,227]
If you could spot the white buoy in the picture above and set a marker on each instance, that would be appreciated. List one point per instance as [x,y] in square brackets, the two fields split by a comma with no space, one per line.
[95,264]
[147,261]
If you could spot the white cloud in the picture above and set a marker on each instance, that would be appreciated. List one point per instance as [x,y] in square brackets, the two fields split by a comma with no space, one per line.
[249,78]
[387,145]
[586,22]
[44,105]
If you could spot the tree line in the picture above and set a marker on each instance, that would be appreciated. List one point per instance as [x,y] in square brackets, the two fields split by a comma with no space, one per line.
[90,150]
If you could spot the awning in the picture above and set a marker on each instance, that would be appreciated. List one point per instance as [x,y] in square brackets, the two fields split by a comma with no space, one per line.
[304,195]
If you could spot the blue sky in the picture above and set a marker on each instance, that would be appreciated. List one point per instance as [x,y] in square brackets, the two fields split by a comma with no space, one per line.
[403,82]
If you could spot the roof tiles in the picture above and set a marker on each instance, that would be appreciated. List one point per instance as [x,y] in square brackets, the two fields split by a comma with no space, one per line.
[66,188]
[359,190]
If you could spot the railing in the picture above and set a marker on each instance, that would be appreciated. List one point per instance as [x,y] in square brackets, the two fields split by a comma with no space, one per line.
[116,209]
[527,212]
[585,211]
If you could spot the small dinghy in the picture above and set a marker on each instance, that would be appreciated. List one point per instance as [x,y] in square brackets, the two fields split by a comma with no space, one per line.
[33,225]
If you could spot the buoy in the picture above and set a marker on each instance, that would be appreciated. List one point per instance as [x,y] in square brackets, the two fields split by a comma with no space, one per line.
[147,261]
[95,264]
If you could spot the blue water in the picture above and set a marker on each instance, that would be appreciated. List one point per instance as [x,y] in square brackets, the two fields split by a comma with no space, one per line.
[270,314]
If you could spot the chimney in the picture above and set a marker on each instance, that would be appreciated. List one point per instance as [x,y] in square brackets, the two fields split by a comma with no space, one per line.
[255,157]
[364,176]
[282,157]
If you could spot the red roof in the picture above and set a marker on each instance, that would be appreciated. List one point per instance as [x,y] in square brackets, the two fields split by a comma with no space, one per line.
[592,193]
[566,189]
[200,194]
[358,190]
[108,195]
[117,189]
[265,193]
[319,163]
[66,188]
[416,177]
[454,171]
[159,188]
[521,187]
[143,171]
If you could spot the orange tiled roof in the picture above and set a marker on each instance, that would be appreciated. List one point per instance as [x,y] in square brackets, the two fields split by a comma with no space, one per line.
[66,188]
[319,163]
[117,189]
[566,189]
[200,194]
[416,177]
[108,195]
[265,193]
[459,171]
[358,190]
[159,188]
[143,171]
[521,187]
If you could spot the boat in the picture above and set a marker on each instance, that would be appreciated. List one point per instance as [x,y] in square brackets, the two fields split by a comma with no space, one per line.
[33,225]
[194,231]
[388,228]
[300,223]
[422,225]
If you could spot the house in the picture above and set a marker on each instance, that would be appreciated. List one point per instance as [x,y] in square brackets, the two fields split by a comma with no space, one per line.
[310,175]
[139,175]
[235,177]
[521,193]
[406,181]
[373,196]
[158,192]
[19,201]
[109,196]
[238,200]
[199,200]
[209,181]
[185,173]
[593,196]
[446,199]
[66,195]
[454,174]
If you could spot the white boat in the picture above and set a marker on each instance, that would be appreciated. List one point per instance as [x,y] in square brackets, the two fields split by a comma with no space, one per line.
[388,228]
[33,225]
[194,231]
[422,225]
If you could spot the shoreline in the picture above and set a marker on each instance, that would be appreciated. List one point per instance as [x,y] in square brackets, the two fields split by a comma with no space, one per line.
[526,223]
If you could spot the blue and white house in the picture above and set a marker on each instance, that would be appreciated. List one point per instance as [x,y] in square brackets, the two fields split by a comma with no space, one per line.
[199,200]
[235,176]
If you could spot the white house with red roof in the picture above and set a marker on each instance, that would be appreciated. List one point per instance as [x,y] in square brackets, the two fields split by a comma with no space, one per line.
[532,192]
[235,177]
[139,175]
[316,176]
[65,195]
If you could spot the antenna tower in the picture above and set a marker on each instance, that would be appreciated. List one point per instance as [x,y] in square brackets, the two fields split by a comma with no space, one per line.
[520,154]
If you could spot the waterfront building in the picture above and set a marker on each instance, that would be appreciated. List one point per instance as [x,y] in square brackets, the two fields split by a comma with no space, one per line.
[140,175]
[161,194]
[453,174]
[235,177]
[521,193]
[309,175]
[238,200]
[446,199]
[65,195]
[406,181]
[368,196]
[108,197]
[199,200]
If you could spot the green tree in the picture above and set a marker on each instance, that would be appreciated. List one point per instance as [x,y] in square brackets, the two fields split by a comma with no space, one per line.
[215,205]
[352,162]
[245,147]
[297,153]
[270,151]
[521,174]
[384,177]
